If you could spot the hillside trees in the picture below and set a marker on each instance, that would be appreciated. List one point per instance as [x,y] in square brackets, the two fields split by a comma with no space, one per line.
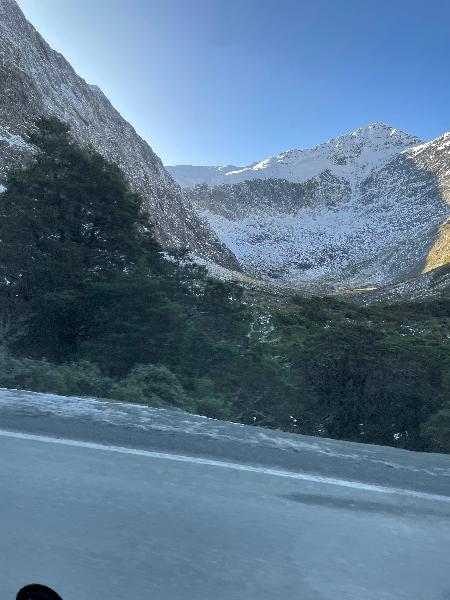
[82,277]
[69,228]
[90,304]
[359,374]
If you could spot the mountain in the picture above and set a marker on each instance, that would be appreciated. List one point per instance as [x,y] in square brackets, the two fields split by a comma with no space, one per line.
[352,156]
[189,175]
[366,209]
[37,81]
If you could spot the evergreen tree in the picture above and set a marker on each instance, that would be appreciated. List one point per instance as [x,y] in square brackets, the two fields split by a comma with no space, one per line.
[70,216]
[69,228]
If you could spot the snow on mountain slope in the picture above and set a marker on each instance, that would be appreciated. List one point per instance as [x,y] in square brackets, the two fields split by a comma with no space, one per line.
[352,156]
[35,80]
[365,209]
[189,175]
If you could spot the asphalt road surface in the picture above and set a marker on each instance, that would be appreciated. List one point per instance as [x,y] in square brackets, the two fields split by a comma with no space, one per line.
[118,501]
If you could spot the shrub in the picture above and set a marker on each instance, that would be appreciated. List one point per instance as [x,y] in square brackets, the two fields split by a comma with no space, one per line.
[437,428]
[151,384]
[81,378]
[215,408]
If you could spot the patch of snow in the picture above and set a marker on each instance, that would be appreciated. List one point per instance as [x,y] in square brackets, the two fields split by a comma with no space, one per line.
[13,140]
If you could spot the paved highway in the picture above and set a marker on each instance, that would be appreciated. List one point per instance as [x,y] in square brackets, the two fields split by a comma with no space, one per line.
[118,501]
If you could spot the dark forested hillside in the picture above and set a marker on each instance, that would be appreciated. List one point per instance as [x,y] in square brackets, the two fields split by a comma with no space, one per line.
[91,305]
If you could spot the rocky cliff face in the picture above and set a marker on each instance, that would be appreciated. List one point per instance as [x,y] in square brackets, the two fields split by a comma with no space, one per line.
[35,81]
[365,209]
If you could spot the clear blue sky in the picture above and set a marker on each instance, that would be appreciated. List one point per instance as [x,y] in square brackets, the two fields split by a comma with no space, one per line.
[232,81]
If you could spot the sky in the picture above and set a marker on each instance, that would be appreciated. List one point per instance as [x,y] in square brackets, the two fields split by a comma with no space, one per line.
[212,82]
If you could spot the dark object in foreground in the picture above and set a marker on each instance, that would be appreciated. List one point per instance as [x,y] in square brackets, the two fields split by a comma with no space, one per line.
[37,592]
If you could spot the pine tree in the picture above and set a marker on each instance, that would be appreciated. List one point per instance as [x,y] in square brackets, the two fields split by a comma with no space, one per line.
[70,227]
[70,216]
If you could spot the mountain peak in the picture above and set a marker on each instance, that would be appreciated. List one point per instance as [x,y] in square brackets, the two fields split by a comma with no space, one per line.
[351,156]
[379,132]
[379,125]
[365,209]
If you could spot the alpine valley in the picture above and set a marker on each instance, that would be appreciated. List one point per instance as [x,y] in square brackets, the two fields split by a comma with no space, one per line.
[369,209]
[324,307]
[365,210]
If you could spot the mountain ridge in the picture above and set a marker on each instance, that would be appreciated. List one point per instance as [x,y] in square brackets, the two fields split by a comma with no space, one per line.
[364,209]
[38,81]
[295,164]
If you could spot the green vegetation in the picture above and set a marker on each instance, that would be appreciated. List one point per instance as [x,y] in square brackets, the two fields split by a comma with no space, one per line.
[90,305]
[372,374]
[437,428]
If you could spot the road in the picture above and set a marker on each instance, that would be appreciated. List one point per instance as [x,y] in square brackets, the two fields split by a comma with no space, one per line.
[118,501]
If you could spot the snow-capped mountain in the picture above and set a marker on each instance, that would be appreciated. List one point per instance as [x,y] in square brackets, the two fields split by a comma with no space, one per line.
[368,208]
[365,209]
[35,80]
[189,175]
[352,156]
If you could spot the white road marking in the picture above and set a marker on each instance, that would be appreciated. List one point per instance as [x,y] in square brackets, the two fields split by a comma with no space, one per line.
[226,465]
